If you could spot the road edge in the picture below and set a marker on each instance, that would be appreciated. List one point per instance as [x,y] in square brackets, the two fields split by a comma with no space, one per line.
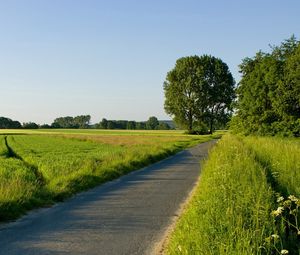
[160,246]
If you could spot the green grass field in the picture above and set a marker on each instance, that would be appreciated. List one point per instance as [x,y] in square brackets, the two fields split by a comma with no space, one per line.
[40,167]
[246,201]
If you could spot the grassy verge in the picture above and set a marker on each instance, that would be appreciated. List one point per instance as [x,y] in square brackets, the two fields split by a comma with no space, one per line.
[37,170]
[281,157]
[230,211]
[246,201]
[281,160]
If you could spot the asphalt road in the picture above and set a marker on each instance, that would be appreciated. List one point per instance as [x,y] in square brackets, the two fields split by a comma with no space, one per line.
[126,216]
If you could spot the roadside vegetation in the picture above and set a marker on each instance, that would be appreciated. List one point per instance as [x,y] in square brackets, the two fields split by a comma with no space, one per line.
[246,202]
[37,170]
[281,159]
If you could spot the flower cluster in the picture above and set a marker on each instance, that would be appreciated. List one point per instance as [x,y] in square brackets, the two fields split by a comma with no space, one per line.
[278,212]
[284,252]
[287,214]
[290,205]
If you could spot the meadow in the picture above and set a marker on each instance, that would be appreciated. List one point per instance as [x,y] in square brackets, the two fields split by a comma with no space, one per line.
[246,202]
[41,167]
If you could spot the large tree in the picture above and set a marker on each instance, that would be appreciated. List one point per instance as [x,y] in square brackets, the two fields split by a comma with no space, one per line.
[269,92]
[199,91]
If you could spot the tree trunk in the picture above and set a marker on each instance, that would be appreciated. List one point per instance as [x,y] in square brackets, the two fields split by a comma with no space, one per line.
[190,121]
[211,125]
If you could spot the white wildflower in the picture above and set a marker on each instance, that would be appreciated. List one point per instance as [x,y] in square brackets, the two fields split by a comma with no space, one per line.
[275,236]
[179,248]
[284,252]
[278,212]
[293,198]
[280,199]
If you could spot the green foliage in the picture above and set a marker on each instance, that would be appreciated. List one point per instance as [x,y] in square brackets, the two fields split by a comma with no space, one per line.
[103,123]
[131,125]
[140,125]
[152,123]
[81,121]
[200,128]
[269,92]
[162,126]
[47,126]
[199,89]
[30,125]
[8,123]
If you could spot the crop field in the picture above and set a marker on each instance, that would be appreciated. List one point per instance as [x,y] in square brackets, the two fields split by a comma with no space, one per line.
[38,168]
[247,200]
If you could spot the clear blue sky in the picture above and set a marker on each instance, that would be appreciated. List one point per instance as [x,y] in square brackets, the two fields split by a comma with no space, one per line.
[110,58]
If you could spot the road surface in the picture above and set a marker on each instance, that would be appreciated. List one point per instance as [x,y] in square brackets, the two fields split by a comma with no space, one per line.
[126,216]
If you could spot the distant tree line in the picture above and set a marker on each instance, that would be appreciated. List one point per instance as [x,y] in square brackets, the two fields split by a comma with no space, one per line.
[151,124]
[83,122]
[269,92]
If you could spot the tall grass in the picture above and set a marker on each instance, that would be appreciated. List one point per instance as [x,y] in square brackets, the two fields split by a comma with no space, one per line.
[281,157]
[281,160]
[230,211]
[17,184]
[246,201]
[3,148]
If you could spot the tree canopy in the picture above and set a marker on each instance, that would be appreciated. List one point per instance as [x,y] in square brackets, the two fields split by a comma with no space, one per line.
[8,123]
[152,123]
[30,125]
[199,92]
[81,121]
[269,92]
